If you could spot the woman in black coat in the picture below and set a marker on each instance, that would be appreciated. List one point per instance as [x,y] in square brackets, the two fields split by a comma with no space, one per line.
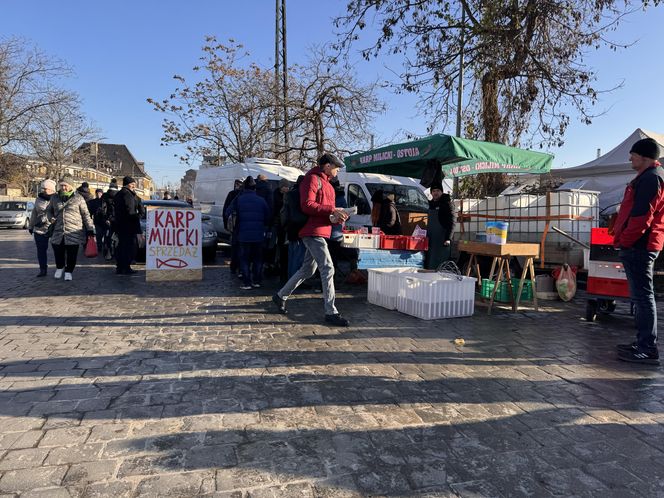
[440,227]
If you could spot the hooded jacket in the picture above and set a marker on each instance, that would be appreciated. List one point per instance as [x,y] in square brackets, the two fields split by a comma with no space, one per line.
[317,201]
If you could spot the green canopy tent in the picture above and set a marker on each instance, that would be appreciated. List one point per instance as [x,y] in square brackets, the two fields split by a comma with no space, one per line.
[457,156]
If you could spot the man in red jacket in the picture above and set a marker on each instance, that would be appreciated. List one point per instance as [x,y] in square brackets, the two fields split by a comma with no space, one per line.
[317,201]
[639,234]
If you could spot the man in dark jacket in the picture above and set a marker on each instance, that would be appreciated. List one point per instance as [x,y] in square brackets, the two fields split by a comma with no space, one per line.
[128,209]
[84,190]
[440,227]
[317,201]
[280,229]
[639,234]
[389,220]
[108,212]
[253,218]
[95,209]
[229,224]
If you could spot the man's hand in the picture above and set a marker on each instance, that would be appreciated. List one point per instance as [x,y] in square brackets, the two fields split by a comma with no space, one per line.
[140,238]
[340,215]
[446,243]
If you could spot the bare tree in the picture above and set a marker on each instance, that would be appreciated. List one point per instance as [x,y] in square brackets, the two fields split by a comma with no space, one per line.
[524,59]
[14,171]
[329,109]
[56,131]
[27,84]
[226,113]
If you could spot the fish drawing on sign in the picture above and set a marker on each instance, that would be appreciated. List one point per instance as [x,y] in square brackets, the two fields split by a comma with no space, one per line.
[172,263]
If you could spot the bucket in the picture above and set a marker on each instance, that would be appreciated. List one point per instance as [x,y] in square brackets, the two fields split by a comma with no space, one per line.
[496,232]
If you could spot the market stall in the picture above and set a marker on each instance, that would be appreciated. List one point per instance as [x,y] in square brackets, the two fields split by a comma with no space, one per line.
[443,156]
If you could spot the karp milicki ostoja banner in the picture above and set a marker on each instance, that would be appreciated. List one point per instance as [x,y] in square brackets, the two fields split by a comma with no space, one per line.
[173,244]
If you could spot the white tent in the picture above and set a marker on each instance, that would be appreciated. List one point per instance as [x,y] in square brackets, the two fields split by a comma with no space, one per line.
[608,174]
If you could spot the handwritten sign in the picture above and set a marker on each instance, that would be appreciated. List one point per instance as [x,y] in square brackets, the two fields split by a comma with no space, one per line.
[173,244]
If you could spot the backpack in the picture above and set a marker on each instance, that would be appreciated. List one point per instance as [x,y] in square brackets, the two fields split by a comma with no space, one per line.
[291,215]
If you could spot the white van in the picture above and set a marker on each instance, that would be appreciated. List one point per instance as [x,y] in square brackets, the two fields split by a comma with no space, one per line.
[213,185]
[410,198]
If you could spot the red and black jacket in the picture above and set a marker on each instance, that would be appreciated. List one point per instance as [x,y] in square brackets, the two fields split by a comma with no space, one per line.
[640,222]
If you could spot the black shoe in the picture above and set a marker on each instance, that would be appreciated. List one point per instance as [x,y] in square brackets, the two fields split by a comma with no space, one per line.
[130,271]
[337,320]
[281,304]
[627,347]
[636,357]
[42,273]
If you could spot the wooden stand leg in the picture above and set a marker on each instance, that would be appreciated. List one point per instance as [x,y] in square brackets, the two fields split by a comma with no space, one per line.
[508,276]
[532,279]
[496,284]
[524,272]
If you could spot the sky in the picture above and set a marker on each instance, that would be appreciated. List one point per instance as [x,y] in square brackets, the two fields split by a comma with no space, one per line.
[125,51]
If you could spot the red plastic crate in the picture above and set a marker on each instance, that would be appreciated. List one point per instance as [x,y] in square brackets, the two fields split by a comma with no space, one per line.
[393,242]
[607,287]
[417,243]
[600,236]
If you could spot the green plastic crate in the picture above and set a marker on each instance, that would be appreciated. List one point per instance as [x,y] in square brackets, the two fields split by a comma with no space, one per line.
[503,294]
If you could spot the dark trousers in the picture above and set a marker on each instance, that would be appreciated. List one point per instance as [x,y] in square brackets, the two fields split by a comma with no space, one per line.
[235,253]
[42,251]
[65,256]
[638,264]
[283,262]
[126,251]
[251,255]
[100,232]
[108,234]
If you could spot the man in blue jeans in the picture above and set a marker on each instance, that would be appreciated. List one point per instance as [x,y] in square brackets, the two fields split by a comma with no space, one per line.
[317,201]
[639,234]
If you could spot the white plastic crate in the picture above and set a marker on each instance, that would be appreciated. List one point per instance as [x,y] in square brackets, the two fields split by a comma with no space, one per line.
[361,240]
[384,285]
[431,296]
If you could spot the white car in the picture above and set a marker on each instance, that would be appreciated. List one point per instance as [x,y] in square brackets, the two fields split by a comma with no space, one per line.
[15,214]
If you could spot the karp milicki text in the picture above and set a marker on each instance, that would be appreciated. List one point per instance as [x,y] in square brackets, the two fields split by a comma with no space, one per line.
[173,229]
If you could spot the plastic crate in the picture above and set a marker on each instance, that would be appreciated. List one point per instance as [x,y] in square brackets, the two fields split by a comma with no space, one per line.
[392,242]
[417,243]
[384,285]
[361,240]
[389,258]
[503,293]
[607,287]
[431,296]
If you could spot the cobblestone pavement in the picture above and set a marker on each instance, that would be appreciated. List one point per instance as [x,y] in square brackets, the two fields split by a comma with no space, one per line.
[113,387]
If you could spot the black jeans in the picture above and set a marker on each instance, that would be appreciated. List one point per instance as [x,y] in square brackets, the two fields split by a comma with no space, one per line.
[251,255]
[126,251]
[638,264]
[42,250]
[65,256]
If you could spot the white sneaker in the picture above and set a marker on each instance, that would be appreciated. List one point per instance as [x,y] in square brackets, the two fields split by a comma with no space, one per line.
[68,276]
[58,273]
[256,285]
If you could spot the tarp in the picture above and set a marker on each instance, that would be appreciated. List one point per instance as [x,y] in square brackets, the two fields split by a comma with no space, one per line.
[610,173]
[458,157]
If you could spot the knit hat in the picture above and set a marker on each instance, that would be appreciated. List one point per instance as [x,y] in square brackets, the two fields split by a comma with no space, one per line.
[646,147]
[127,180]
[250,183]
[85,185]
[48,184]
[284,183]
[436,186]
[329,158]
[68,179]
[99,190]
